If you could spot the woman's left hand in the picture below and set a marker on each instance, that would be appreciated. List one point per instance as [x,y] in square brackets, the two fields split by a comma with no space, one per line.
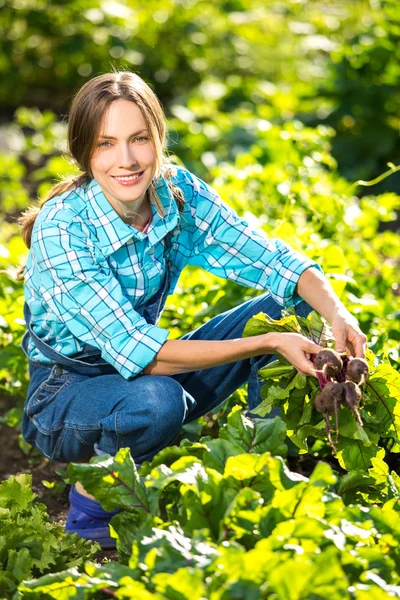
[348,335]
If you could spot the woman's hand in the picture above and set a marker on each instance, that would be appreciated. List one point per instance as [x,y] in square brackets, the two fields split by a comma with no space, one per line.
[296,348]
[315,289]
[348,334]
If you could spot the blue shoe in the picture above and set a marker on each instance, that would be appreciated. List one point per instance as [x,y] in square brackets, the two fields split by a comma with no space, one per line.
[89,520]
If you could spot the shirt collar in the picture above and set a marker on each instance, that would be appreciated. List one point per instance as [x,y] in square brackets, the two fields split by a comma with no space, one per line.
[111,229]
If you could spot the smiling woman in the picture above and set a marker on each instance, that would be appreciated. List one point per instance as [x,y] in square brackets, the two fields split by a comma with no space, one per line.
[124,163]
[106,249]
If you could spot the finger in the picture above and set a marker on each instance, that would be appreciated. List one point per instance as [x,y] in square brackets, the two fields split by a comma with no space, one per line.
[360,346]
[340,341]
[350,349]
[307,368]
[312,348]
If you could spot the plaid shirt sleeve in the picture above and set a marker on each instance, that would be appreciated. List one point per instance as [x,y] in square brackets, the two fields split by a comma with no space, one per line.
[225,245]
[82,291]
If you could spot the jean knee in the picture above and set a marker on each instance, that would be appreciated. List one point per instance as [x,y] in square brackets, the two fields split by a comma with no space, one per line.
[165,401]
[150,419]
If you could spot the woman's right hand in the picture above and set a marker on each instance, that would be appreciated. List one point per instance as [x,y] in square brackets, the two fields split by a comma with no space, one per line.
[296,348]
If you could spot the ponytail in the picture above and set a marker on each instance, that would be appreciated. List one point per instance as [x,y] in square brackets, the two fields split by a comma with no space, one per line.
[27,219]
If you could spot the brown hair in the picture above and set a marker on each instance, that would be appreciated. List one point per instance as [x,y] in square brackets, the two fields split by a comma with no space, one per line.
[85,117]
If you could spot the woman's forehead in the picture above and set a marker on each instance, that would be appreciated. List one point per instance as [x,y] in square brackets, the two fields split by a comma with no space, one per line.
[120,117]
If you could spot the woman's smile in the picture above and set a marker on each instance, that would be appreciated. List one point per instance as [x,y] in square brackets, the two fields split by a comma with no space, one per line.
[123,162]
[128,180]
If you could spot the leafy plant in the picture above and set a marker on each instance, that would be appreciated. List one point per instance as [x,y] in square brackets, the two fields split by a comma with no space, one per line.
[296,395]
[220,523]
[31,545]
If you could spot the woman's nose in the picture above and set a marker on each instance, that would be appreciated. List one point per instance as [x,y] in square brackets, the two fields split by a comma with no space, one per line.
[126,156]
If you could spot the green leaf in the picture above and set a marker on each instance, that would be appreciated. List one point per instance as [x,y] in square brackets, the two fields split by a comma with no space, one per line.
[166,549]
[304,432]
[124,529]
[185,470]
[352,483]
[371,592]
[384,391]
[270,435]
[255,436]
[301,500]
[16,493]
[386,518]
[276,369]
[246,466]
[185,584]
[63,586]
[323,475]
[349,427]
[243,515]
[263,323]
[296,579]
[129,588]
[170,454]
[239,430]
[205,501]
[19,564]
[319,328]
[280,475]
[219,452]
[354,455]
[112,480]
[375,485]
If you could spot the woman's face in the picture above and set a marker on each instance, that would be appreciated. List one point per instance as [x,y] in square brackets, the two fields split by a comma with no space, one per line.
[123,162]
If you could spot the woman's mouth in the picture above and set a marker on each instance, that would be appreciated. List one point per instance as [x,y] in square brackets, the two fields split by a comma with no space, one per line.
[128,180]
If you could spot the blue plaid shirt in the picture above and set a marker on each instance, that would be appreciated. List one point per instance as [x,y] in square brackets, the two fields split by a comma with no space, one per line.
[88,271]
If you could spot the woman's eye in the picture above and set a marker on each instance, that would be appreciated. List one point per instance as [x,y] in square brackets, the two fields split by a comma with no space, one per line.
[104,144]
[141,138]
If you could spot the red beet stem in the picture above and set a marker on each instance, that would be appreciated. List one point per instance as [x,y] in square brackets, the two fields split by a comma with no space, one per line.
[321,380]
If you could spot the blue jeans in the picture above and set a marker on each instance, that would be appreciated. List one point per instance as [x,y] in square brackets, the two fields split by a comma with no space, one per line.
[67,412]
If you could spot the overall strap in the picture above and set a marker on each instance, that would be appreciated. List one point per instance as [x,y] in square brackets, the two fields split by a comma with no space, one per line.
[86,368]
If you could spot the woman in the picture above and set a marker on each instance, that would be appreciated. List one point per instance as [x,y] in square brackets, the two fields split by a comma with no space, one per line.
[106,248]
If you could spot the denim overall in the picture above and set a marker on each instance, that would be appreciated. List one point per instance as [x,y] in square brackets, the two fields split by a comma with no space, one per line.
[81,404]
[47,381]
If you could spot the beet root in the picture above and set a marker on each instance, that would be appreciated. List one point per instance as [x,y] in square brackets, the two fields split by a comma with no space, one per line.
[327,402]
[328,362]
[330,397]
[352,397]
[357,370]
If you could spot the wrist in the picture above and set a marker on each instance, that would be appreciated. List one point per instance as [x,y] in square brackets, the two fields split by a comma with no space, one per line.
[257,345]
[272,342]
[336,310]
[339,310]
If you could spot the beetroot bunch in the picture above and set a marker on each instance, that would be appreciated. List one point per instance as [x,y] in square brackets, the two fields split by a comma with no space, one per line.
[339,377]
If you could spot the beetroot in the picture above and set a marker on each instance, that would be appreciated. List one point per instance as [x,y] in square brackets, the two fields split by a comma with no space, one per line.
[330,397]
[329,363]
[327,402]
[352,397]
[339,377]
[357,370]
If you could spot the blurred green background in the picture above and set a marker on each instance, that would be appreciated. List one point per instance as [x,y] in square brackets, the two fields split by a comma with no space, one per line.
[330,63]
[282,105]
